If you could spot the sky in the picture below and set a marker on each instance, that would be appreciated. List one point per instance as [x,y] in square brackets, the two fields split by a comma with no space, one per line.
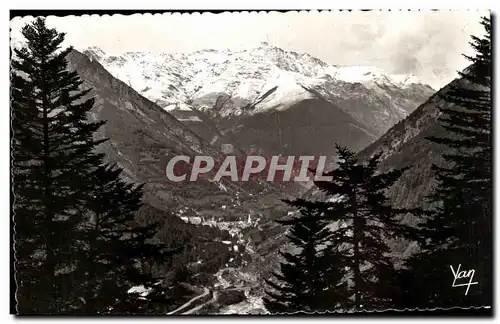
[425,43]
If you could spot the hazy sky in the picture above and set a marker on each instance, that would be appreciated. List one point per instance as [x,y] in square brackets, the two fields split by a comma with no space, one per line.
[428,44]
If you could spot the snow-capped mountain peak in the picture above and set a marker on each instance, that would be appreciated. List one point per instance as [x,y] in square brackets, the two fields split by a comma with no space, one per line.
[282,91]
[256,80]
[404,80]
[94,53]
[371,74]
[357,73]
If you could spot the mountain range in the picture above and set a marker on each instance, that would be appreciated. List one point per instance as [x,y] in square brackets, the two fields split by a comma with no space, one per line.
[265,97]
[288,103]
[159,105]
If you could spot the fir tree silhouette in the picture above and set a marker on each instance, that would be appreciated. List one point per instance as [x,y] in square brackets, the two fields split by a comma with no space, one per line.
[117,248]
[458,230]
[364,223]
[78,247]
[52,154]
[310,279]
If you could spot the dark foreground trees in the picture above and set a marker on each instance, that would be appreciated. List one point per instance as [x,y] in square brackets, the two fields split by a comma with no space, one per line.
[458,230]
[456,236]
[352,228]
[310,279]
[53,155]
[365,223]
[75,244]
[118,252]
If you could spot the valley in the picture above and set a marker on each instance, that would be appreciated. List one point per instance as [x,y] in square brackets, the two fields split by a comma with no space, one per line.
[163,165]
[271,102]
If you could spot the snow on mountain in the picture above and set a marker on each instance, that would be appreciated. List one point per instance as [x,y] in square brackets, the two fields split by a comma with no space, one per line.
[369,76]
[361,74]
[285,90]
[263,78]
[258,79]
[404,80]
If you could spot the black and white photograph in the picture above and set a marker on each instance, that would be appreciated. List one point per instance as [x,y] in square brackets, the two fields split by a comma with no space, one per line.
[315,162]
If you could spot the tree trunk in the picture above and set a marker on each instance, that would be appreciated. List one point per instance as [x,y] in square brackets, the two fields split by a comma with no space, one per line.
[50,261]
[356,261]
[53,292]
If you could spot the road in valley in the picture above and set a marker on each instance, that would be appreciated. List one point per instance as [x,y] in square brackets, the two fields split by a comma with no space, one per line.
[191,301]
[197,308]
[199,302]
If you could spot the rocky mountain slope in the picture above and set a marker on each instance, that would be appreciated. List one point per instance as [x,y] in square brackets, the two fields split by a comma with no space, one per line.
[164,106]
[215,92]
[307,127]
[284,103]
[144,137]
[405,144]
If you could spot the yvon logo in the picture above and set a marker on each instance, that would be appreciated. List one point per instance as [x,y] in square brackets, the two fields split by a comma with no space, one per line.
[463,275]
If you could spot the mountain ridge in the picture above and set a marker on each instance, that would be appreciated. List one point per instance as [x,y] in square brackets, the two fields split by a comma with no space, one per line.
[198,79]
[142,138]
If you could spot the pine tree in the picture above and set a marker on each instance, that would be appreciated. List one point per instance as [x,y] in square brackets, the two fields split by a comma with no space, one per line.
[310,280]
[365,222]
[52,153]
[117,248]
[459,227]
[111,208]
[78,247]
